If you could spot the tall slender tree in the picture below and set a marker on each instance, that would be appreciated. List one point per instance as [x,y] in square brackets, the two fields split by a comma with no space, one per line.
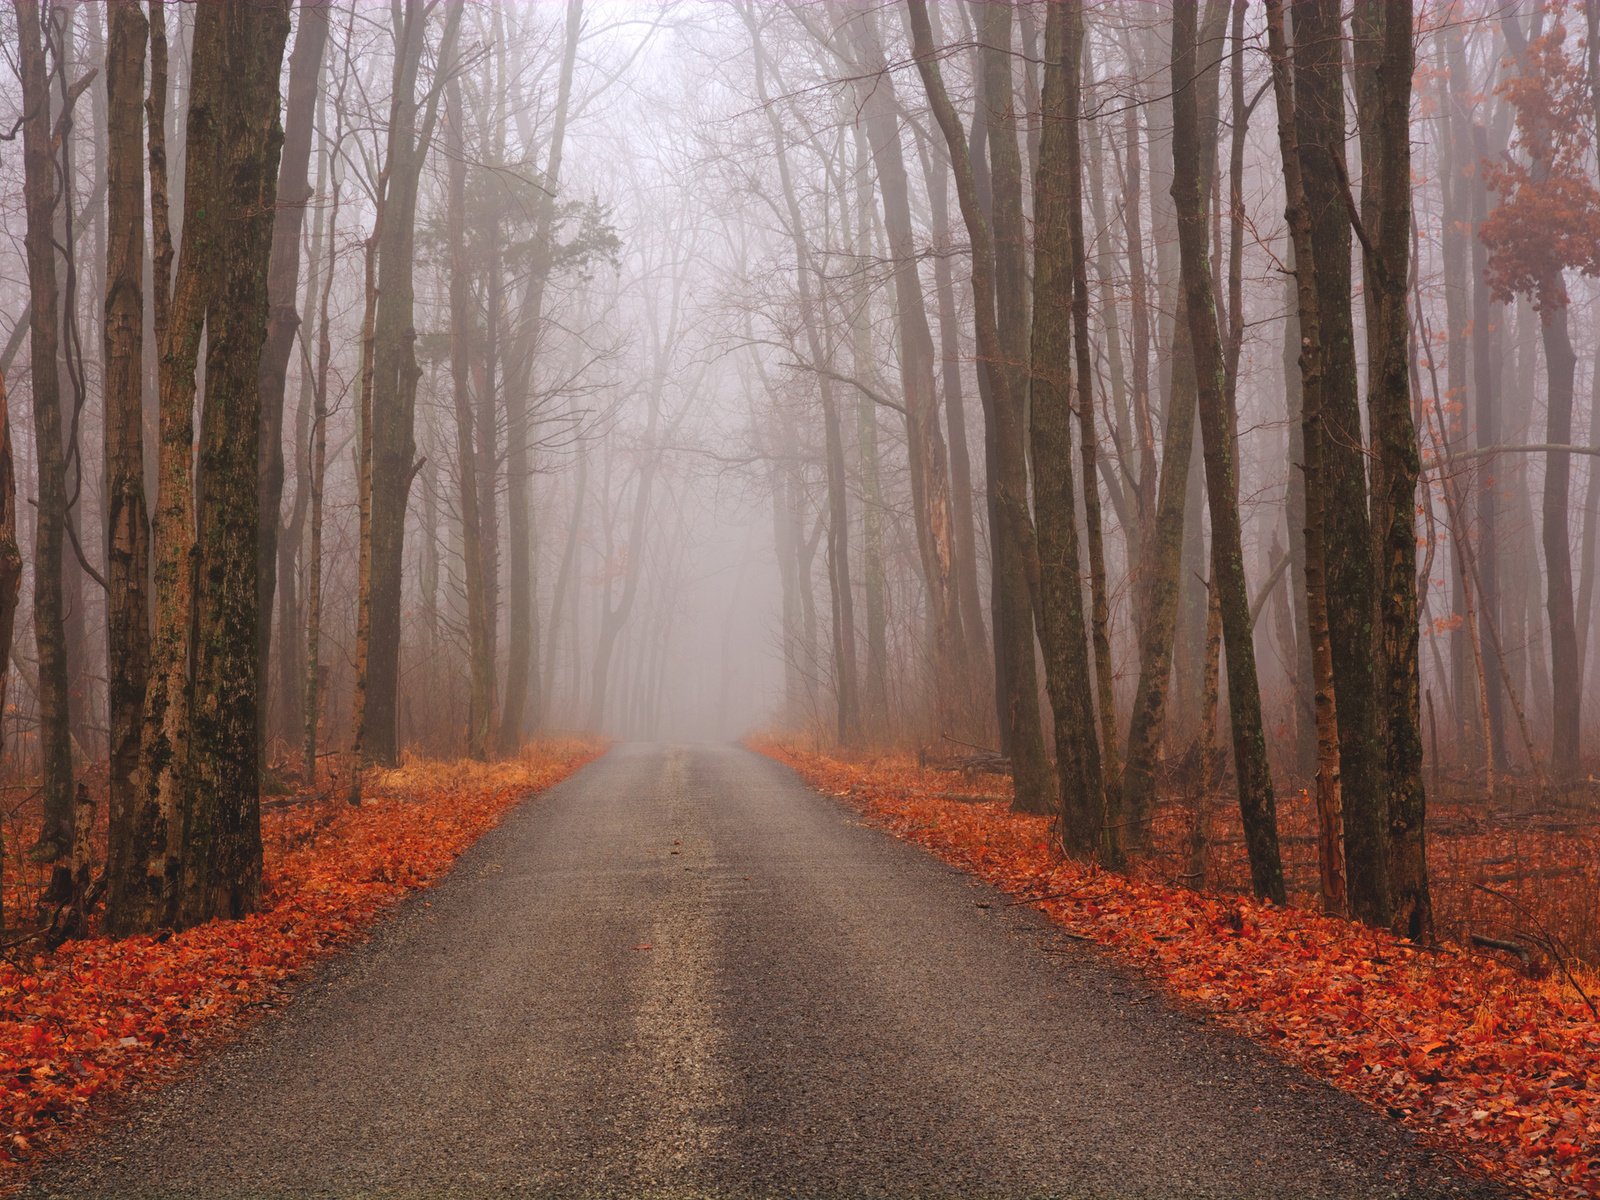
[283,321]
[1013,539]
[1319,110]
[1194,80]
[1385,57]
[1085,827]
[127,517]
[40,197]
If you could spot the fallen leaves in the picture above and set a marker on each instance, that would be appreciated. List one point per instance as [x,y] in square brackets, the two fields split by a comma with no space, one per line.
[1502,1069]
[100,1018]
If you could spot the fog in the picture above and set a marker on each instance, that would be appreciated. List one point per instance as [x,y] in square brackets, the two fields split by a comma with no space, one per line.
[685,425]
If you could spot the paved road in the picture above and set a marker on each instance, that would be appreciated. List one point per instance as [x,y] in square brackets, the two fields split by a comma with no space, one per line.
[681,974]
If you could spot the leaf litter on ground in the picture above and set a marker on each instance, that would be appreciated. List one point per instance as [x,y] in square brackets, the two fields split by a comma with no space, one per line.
[98,1019]
[1502,1070]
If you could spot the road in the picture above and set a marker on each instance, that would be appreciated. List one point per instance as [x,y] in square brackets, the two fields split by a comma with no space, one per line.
[682,974]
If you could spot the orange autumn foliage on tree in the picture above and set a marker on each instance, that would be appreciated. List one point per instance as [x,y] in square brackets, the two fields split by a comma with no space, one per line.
[1548,218]
[100,1018]
[1493,1066]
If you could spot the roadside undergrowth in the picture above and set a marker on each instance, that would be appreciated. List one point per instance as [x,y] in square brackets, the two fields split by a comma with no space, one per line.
[1499,1069]
[99,1019]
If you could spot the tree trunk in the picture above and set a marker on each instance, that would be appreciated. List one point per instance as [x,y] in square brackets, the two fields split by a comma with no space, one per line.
[480,657]
[1330,811]
[929,480]
[955,407]
[1105,694]
[1193,144]
[1013,539]
[1386,59]
[283,321]
[234,141]
[1086,828]
[127,519]
[1565,675]
[392,436]
[522,647]
[177,312]
[49,605]
[844,635]
[10,580]
[1487,348]
[1320,125]
[312,708]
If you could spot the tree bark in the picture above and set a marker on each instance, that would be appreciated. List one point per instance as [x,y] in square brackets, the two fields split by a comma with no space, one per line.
[1192,134]
[127,518]
[1088,439]
[1086,828]
[312,708]
[49,604]
[234,142]
[480,657]
[1385,61]
[1330,810]
[1017,577]
[10,580]
[283,320]
[177,311]
[1320,127]
[392,434]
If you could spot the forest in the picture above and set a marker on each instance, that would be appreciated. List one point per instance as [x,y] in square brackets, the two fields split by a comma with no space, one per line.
[1147,454]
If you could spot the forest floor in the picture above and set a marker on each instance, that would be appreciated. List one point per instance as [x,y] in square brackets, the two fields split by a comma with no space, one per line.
[683,974]
[98,1020]
[1501,1066]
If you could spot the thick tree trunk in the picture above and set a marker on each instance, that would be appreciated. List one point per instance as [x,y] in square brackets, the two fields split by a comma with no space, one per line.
[1320,125]
[1086,827]
[49,603]
[283,321]
[127,518]
[1088,438]
[234,141]
[1017,552]
[1330,812]
[177,312]
[1386,59]
[1194,156]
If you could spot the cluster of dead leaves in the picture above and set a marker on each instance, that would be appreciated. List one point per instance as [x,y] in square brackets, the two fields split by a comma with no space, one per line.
[100,1017]
[1501,1069]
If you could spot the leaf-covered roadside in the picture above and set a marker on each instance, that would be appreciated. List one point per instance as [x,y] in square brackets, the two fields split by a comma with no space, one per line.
[100,1017]
[1501,1069]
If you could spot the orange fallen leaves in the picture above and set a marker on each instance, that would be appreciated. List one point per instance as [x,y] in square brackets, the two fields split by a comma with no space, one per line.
[100,1018]
[1501,1069]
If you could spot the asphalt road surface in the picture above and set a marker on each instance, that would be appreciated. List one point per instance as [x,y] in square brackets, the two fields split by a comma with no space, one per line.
[682,974]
